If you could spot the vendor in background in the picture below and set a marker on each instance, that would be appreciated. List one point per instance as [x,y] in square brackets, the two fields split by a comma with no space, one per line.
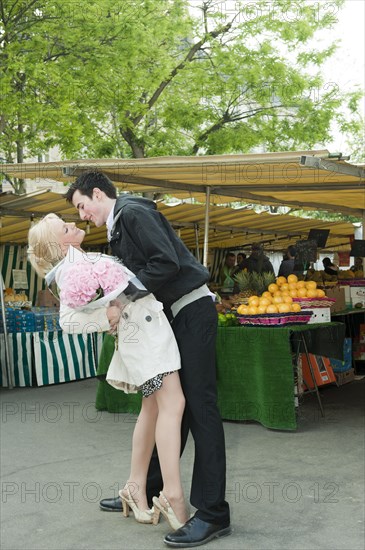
[357,265]
[329,267]
[287,265]
[257,261]
[226,281]
[241,263]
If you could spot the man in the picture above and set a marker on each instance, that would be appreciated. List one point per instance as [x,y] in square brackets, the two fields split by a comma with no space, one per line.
[149,247]
[226,272]
[287,265]
[257,261]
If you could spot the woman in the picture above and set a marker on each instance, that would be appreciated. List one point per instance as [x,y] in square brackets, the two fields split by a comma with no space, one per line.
[159,421]
[329,267]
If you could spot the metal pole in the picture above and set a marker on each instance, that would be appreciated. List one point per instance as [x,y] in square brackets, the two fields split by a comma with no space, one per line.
[197,253]
[206,227]
[6,342]
[363,236]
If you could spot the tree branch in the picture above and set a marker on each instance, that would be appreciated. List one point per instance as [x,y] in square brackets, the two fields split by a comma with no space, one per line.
[188,58]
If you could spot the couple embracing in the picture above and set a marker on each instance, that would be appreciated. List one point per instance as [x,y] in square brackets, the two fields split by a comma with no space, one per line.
[180,393]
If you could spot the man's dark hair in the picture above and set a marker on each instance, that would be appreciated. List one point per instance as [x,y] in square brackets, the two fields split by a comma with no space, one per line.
[292,250]
[87,182]
[230,254]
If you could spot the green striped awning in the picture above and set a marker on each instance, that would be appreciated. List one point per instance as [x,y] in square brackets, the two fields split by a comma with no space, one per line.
[15,257]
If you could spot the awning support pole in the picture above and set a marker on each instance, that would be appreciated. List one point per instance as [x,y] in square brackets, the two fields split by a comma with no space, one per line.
[9,376]
[197,253]
[206,227]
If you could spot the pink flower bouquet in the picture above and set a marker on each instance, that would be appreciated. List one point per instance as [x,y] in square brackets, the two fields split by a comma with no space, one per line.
[90,280]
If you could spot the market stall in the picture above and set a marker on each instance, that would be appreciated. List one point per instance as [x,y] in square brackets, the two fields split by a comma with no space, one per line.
[257,372]
[42,358]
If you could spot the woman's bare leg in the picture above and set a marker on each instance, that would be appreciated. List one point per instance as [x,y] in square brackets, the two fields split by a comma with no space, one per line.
[143,443]
[171,403]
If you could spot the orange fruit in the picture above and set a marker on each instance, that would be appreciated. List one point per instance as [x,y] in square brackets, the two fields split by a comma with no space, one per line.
[242,309]
[292,278]
[277,293]
[254,301]
[320,293]
[296,307]
[302,292]
[285,286]
[311,293]
[264,302]
[293,293]
[288,299]
[311,284]
[292,286]
[261,310]
[272,308]
[280,280]
[300,284]
[273,288]
[284,308]
[252,310]
[250,298]
[285,293]
[267,295]
[277,300]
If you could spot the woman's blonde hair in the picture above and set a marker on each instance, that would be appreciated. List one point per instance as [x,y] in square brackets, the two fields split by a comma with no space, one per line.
[44,252]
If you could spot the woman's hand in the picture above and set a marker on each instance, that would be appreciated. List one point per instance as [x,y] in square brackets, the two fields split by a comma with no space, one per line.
[113,313]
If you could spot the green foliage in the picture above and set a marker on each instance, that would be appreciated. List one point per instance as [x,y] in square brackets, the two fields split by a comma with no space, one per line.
[256,282]
[133,79]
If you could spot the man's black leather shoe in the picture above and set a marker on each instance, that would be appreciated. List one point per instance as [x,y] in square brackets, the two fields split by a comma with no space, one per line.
[111,504]
[196,532]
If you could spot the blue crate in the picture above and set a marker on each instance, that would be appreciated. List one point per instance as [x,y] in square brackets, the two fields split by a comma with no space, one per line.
[345,365]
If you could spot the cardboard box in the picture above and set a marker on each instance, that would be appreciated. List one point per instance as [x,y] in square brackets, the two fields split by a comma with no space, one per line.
[345,377]
[45,298]
[337,293]
[320,315]
[323,373]
[359,351]
[346,290]
[357,294]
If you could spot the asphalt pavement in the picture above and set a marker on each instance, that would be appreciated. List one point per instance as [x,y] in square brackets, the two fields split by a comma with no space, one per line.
[287,490]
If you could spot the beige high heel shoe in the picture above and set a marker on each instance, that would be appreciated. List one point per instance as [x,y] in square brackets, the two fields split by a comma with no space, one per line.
[142,516]
[166,510]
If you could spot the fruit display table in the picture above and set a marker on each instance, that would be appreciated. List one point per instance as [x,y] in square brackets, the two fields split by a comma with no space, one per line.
[255,369]
[255,372]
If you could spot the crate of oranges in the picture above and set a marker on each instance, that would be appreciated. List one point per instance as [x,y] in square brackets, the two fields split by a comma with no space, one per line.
[282,303]
[304,293]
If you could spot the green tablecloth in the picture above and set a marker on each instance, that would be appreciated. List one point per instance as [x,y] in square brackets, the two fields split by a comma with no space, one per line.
[107,397]
[254,372]
[255,369]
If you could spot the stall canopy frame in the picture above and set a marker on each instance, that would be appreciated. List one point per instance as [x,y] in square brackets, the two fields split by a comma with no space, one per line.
[304,179]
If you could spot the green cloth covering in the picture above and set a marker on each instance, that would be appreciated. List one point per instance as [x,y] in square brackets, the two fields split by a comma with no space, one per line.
[107,397]
[255,371]
[255,375]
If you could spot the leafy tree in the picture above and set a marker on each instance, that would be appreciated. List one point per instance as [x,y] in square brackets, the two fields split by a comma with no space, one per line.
[144,78]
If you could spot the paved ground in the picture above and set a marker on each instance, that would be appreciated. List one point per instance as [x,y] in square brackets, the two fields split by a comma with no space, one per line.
[302,490]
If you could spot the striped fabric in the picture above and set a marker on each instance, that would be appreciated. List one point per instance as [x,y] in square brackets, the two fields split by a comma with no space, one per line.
[15,257]
[20,351]
[61,357]
[218,260]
